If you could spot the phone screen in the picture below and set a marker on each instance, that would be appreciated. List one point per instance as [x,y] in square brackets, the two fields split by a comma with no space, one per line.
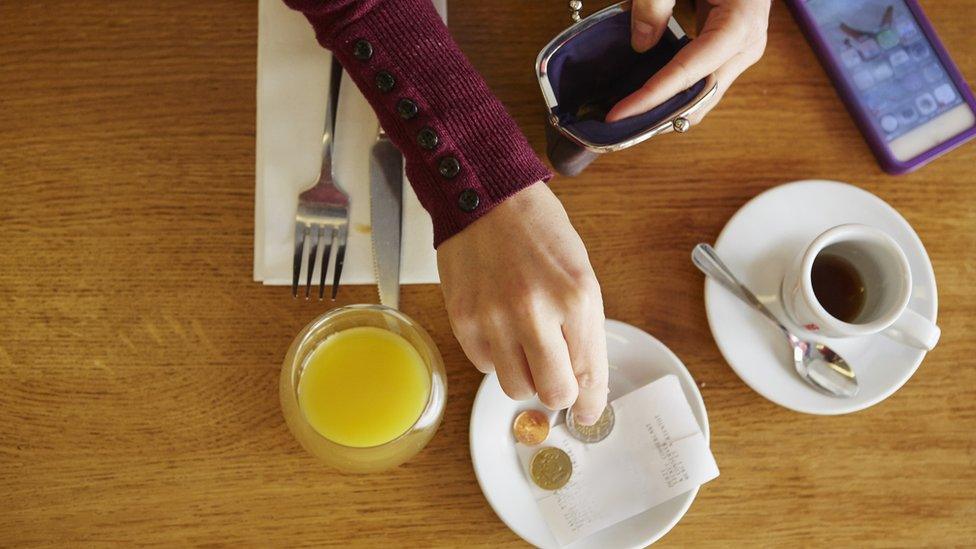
[887,60]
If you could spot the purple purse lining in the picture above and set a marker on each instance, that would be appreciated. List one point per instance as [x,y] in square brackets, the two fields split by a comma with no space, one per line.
[598,68]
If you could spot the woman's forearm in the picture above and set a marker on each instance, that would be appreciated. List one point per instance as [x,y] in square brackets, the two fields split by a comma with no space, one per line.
[464,153]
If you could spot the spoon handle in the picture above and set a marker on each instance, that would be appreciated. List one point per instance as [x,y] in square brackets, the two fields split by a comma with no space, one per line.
[706,259]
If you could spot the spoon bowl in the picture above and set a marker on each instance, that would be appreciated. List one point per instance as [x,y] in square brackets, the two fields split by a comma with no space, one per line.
[815,363]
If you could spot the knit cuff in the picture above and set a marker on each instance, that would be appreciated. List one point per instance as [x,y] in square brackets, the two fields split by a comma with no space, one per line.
[463,152]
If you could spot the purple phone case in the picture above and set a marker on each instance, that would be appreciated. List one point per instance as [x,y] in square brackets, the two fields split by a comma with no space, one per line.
[848,95]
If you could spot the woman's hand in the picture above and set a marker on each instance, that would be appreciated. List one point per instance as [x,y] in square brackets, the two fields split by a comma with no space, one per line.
[732,38]
[524,302]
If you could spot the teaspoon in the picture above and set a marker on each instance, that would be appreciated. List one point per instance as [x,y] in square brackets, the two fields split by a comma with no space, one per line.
[815,363]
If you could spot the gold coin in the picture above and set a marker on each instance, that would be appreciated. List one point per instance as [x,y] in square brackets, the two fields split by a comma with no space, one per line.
[531,427]
[591,433]
[551,468]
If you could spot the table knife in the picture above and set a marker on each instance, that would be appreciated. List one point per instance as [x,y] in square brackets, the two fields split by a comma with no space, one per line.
[385,212]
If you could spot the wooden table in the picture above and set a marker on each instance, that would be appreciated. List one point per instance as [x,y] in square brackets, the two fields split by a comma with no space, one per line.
[139,362]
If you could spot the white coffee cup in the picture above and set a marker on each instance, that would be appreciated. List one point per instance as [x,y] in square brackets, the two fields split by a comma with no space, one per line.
[887,280]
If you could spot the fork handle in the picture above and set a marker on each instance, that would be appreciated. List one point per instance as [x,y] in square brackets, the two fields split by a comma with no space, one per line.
[331,106]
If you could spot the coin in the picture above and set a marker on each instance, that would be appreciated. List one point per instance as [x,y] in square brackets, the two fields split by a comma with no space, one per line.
[591,433]
[551,468]
[531,427]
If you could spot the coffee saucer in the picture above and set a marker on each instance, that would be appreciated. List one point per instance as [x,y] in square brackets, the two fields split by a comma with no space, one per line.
[636,359]
[757,244]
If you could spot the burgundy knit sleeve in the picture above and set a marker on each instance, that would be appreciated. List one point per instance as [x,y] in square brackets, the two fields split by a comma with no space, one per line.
[463,152]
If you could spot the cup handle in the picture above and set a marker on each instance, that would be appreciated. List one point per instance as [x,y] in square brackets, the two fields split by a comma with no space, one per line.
[914,330]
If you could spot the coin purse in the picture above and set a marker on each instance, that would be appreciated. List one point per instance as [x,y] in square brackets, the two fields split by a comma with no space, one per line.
[587,69]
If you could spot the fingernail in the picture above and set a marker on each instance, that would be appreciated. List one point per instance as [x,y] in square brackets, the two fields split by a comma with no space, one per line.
[586,419]
[643,34]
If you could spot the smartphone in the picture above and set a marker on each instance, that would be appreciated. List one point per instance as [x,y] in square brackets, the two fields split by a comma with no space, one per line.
[897,80]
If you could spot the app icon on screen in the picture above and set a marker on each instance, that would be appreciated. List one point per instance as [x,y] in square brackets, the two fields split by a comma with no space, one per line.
[889,123]
[851,58]
[933,72]
[877,102]
[919,51]
[863,79]
[945,94]
[912,82]
[926,103]
[882,71]
[908,114]
[898,58]
[887,39]
[869,49]
[906,28]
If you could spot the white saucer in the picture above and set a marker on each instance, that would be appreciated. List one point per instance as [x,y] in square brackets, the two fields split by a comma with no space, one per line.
[757,243]
[637,359]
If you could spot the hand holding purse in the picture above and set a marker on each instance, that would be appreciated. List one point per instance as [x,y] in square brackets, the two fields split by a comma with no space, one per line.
[588,68]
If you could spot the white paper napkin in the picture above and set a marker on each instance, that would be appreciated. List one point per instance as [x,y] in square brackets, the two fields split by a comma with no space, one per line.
[291,94]
[656,451]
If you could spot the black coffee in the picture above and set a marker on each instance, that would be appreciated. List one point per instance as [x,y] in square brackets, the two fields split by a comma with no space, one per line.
[838,287]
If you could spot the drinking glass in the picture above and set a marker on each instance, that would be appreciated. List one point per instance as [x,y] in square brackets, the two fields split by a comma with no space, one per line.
[374,458]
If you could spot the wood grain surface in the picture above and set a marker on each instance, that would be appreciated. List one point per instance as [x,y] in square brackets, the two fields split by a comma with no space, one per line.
[139,362]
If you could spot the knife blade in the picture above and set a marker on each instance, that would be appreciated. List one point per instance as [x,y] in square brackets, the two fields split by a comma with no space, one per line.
[385,212]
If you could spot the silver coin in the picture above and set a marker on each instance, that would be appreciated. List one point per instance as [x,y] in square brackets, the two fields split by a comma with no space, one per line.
[591,433]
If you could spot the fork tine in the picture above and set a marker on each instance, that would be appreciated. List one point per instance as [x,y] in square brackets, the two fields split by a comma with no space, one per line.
[327,237]
[340,257]
[313,249]
[300,231]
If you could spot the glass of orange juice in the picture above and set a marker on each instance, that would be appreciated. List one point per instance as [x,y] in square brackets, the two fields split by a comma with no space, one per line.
[363,388]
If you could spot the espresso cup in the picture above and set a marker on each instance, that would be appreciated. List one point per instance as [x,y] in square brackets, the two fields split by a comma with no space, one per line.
[851,281]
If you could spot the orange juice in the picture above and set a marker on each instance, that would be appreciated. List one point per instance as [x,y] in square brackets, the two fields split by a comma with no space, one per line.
[363,387]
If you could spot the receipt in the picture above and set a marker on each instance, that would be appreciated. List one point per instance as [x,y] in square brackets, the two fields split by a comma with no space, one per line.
[655,452]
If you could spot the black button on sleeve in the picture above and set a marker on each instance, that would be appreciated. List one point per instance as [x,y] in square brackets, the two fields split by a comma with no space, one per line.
[468,200]
[407,109]
[362,50]
[449,167]
[427,138]
[385,81]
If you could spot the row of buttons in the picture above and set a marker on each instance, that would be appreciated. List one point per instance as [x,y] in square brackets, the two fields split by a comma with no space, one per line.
[448,166]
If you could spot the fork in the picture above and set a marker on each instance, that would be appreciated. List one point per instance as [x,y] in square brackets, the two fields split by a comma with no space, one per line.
[323,210]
